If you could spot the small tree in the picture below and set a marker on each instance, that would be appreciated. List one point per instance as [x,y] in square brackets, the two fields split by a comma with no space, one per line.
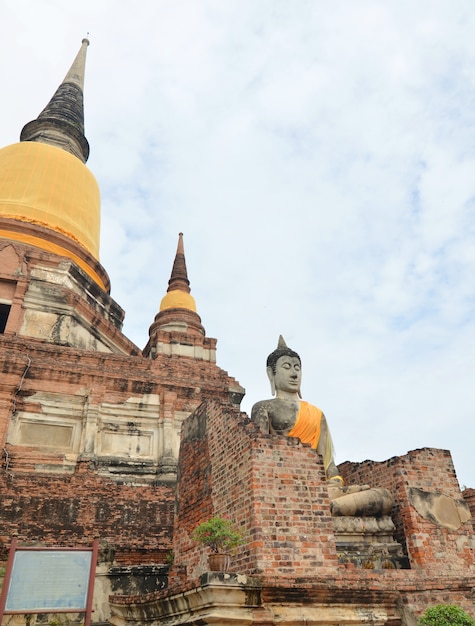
[219,534]
[446,615]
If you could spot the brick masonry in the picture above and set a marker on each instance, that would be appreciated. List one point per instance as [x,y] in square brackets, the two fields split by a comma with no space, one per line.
[109,469]
[125,494]
[432,471]
[273,488]
[469,495]
[133,523]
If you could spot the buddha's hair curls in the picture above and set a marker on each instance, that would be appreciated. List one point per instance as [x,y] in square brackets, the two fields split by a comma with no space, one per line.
[275,356]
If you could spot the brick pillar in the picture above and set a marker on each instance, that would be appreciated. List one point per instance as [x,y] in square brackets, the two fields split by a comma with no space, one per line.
[273,487]
[292,530]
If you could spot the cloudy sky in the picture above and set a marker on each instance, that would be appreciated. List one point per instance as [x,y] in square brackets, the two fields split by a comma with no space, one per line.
[319,158]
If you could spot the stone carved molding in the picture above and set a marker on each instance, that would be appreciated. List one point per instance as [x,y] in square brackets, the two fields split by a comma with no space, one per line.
[364,525]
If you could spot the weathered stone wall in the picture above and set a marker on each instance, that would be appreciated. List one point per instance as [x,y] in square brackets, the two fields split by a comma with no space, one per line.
[89,445]
[423,479]
[469,495]
[124,412]
[273,488]
[53,300]
[287,571]
[133,522]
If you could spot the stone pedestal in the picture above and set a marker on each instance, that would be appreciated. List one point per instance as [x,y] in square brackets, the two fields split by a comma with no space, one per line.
[368,543]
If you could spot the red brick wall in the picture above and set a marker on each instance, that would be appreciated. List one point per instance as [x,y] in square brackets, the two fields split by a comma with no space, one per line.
[417,601]
[431,470]
[272,487]
[404,594]
[60,507]
[469,496]
[134,521]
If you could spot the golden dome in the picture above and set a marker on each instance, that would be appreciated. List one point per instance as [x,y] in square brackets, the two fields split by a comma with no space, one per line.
[177,299]
[44,185]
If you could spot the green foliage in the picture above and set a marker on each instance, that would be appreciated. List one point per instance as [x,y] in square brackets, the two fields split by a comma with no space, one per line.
[170,558]
[446,615]
[219,534]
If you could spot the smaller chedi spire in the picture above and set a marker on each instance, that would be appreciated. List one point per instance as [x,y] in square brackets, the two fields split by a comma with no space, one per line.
[177,318]
[179,276]
[61,123]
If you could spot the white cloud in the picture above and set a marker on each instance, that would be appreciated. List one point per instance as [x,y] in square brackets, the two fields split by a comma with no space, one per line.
[319,159]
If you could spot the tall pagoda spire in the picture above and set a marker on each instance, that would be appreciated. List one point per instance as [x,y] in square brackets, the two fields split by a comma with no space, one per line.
[178,303]
[177,323]
[61,123]
[48,197]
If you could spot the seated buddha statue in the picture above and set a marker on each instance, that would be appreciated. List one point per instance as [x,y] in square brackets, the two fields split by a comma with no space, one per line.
[287,414]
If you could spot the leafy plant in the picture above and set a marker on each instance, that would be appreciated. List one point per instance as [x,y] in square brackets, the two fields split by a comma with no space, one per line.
[219,534]
[446,615]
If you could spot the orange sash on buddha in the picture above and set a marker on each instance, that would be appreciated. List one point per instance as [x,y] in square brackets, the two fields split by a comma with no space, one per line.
[308,425]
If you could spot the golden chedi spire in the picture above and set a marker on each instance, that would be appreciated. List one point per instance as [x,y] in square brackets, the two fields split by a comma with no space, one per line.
[177,315]
[178,292]
[48,197]
[178,307]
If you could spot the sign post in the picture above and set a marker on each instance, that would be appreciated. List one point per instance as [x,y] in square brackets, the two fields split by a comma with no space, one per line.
[49,580]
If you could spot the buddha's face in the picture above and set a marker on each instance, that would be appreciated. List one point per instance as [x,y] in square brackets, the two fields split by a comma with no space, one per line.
[288,374]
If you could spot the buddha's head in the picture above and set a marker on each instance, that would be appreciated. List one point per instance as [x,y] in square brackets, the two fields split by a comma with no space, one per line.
[284,369]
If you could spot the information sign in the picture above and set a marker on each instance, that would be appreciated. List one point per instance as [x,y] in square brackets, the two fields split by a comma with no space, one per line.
[50,579]
[44,580]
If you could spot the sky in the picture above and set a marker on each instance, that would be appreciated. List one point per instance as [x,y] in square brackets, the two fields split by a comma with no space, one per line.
[319,158]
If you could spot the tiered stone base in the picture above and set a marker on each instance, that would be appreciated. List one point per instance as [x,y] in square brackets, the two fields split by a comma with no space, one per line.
[368,543]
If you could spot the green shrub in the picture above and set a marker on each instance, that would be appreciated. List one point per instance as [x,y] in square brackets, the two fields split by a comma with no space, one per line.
[446,615]
[218,533]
